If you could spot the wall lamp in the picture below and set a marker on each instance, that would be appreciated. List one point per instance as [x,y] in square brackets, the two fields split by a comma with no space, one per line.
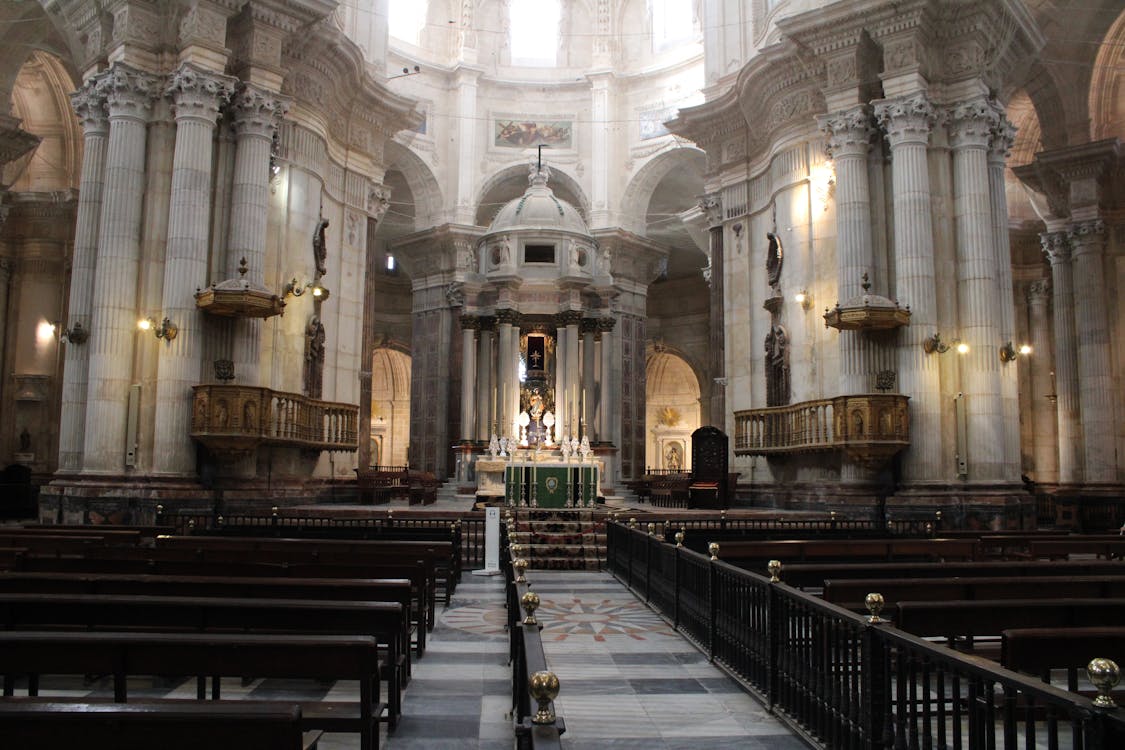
[75,334]
[804,299]
[167,330]
[934,344]
[1009,352]
[319,291]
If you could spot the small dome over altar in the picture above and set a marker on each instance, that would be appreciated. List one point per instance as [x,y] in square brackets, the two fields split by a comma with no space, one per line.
[538,208]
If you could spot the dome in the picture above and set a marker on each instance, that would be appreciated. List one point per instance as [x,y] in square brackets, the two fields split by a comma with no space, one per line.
[538,208]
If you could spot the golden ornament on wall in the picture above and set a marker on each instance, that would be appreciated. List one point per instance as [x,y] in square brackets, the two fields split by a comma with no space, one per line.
[669,416]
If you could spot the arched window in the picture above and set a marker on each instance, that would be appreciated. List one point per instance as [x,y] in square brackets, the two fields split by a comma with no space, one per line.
[672,23]
[406,19]
[534,31]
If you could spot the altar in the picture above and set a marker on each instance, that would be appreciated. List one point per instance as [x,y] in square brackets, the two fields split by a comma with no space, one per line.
[545,483]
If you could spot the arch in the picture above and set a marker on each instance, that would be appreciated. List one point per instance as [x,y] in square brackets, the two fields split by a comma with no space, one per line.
[638,193]
[511,182]
[1107,85]
[424,187]
[40,101]
[673,411]
[390,406]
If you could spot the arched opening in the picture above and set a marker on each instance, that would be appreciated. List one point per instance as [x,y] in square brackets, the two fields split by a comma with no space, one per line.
[1107,85]
[510,183]
[390,407]
[672,411]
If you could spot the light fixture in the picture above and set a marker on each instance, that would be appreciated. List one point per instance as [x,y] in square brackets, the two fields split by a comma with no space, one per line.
[76,334]
[167,330]
[319,291]
[962,347]
[1025,349]
[934,344]
[804,299]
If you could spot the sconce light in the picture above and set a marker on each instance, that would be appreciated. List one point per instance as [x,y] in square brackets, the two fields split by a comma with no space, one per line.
[1009,352]
[962,347]
[167,330]
[804,299]
[319,291]
[75,334]
[935,344]
[1025,349]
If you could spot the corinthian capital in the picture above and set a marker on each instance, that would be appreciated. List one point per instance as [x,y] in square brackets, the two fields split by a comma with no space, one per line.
[378,200]
[1086,236]
[849,132]
[1056,246]
[1003,136]
[198,93]
[256,111]
[971,123]
[908,119]
[129,93]
[90,106]
[1039,291]
[712,205]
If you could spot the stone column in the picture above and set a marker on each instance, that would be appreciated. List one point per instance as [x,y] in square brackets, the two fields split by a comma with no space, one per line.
[907,122]
[1003,134]
[1043,414]
[600,143]
[505,368]
[470,324]
[605,403]
[256,115]
[1095,375]
[485,400]
[5,285]
[589,327]
[970,130]
[89,103]
[713,207]
[466,89]
[560,376]
[574,373]
[197,95]
[1057,247]
[113,319]
[849,139]
[514,398]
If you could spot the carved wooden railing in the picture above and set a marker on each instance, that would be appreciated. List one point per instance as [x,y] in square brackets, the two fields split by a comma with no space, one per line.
[232,420]
[869,427]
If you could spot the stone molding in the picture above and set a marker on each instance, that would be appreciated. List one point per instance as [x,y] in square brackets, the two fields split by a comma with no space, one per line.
[509,316]
[470,323]
[568,318]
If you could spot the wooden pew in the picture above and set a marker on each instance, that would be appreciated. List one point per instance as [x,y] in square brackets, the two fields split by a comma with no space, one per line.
[379,620]
[49,725]
[116,537]
[851,592]
[210,655]
[848,550]
[804,575]
[954,619]
[1039,650]
[1112,548]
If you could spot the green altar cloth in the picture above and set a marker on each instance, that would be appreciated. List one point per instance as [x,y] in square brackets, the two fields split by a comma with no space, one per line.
[540,485]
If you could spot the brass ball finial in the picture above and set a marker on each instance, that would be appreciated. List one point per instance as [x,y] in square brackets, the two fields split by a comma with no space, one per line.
[774,569]
[520,566]
[874,602]
[651,529]
[219,521]
[544,688]
[273,511]
[191,524]
[680,538]
[1104,674]
[530,603]
[713,550]
[515,550]
[632,523]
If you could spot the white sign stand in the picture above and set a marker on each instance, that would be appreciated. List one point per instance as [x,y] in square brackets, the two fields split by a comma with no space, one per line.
[491,543]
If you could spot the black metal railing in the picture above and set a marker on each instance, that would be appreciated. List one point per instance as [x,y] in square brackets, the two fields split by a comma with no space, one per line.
[536,724]
[723,527]
[841,681]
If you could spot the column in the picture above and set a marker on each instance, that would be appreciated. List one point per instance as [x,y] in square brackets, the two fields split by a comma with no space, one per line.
[600,148]
[256,114]
[560,377]
[514,397]
[197,95]
[1095,376]
[589,327]
[605,403]
[970,131]
[1057,247]
[485,386]
[849,140]
[470,324]
[1003,134]
[466,142]
[1043,414]
[504,369]
[713,208]
[90,105]
[113,318]
[572,319]
[5,285]
[907,122]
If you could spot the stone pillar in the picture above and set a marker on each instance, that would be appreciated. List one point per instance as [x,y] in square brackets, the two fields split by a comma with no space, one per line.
[1043,414]
[561,380]
[574,373]
[514,398]
[5,285]
[849,139]
[89,104]
[600,143]
[197,95]
[605,402]
[589,327]
[505,370]
[1095,375]
[470,324]
[256,114]
[113,319]
[1003,134]
[485,387]
[970,130]
[907,122]
[713,208]
[1057,247]
[466,88]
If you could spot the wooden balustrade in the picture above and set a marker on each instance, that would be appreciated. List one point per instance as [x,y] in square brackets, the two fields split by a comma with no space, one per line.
[233,420]
[869,427]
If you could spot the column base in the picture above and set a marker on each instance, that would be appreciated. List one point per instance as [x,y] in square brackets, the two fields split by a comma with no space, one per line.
[983,507]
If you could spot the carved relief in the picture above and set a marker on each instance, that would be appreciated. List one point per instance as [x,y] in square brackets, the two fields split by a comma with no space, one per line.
[320,247]
[777,366]
[314,358]
[378,201]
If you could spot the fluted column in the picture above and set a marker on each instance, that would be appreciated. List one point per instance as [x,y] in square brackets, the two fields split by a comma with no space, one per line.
[514,398]
[1057,247]
[1003,134]
[470,324]
[574,373]
[849,140]
[605,404]
[197,95]
[970,130]
[1044,419]
[256,115]
[589,327]
[90,105]
[1095,376]
[485,388]
[712,206]
[505,369]
[113,320]
[561,380]
[907,122]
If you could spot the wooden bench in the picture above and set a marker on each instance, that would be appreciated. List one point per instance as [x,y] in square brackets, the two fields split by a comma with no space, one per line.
[379,620]
[669,490]
[954,619]
[851,592]
[49,725]
[123,655]
[1063,549]
[1039,650]
[844,550]
[804,575]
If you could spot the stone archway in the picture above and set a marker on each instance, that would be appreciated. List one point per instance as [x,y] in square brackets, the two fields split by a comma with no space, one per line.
[672,411]
[390,407]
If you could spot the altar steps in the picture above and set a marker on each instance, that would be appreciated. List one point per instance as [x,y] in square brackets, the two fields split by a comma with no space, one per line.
[560,539]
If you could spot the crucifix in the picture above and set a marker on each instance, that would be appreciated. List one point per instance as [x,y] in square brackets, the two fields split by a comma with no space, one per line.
[539,163]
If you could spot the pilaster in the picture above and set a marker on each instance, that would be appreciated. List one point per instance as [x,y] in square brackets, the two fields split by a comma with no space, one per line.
[1044,416]
[1056,245]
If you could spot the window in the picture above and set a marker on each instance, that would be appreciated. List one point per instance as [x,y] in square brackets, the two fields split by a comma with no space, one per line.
[405,20]
[390,263]
[672,23]
[539,254]
[534,31]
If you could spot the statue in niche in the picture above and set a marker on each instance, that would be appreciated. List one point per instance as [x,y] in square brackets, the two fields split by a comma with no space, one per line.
[672,460]
[777,366]
[320,248]
[314,357]
[25,441]
[774,258]
[250,417]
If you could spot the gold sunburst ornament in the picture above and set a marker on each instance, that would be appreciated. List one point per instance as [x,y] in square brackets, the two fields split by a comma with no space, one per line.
[670,416]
